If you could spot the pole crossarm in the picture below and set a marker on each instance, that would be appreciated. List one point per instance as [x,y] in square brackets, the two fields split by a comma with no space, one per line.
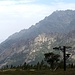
[67,47]
[57,48]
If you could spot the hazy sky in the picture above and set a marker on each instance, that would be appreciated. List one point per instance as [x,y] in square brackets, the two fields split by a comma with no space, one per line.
[16,15]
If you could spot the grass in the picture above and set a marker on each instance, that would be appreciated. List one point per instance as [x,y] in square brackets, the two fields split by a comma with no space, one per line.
[37,72]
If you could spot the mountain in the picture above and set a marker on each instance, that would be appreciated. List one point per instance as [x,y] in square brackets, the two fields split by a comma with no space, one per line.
[29,45]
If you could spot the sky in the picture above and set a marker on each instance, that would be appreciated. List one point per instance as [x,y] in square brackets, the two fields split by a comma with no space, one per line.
[16,15]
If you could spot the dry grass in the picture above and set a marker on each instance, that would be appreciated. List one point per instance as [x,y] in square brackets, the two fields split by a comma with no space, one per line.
[37,72]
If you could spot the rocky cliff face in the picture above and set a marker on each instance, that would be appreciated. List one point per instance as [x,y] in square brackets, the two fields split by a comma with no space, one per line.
[31,52]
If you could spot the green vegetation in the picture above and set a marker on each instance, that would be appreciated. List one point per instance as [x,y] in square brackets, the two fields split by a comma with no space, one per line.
[54,67]
[52,59]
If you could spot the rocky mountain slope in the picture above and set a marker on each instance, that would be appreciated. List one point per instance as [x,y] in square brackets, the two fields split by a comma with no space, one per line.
[29,45]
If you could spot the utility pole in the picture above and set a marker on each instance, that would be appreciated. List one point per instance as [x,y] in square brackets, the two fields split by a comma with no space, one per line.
[64,53]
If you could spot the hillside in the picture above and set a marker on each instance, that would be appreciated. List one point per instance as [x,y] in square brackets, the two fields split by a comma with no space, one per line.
[29,45]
